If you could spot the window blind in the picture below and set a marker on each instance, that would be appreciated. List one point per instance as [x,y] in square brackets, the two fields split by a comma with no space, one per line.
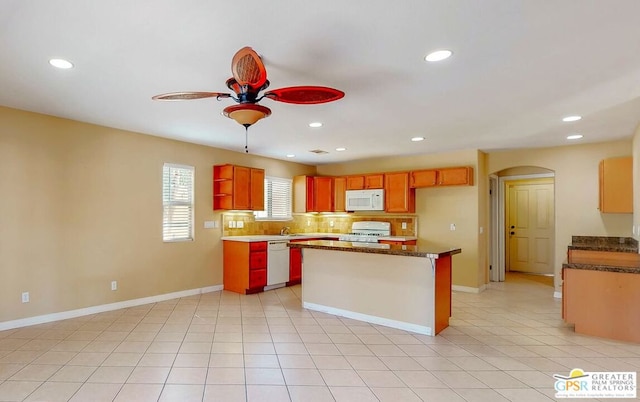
[277,199]
[177,202]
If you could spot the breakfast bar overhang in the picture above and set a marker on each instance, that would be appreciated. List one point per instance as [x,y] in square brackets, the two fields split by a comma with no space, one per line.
[404,287]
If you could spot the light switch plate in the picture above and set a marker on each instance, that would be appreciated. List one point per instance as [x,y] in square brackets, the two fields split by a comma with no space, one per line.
[209,224]
[404,225]
[239,224]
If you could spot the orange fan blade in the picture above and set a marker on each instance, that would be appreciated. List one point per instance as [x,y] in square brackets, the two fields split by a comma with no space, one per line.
[306,95]
[177,96]
[247,68]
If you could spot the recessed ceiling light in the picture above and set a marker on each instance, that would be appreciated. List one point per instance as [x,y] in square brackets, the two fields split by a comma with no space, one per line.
[571,118]
[315,124]
[416,139]
[291,156]
[340,149]
[61,63]
[438,55]
[574,136]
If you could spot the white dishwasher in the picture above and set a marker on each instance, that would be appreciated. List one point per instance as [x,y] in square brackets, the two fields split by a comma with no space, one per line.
[277,263]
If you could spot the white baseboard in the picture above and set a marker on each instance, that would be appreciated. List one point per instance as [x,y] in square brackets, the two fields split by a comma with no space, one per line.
[557,295]
[65,315]
[468,289]
[420,329]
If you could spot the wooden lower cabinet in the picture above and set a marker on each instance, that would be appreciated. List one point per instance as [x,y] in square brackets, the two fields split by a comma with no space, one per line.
[295,266]
[602,303]
[244,266]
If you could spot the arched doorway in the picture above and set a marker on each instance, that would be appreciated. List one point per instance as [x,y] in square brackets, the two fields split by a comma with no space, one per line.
[522,222]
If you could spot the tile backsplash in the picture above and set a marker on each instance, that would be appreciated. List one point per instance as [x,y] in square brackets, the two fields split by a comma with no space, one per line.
[313,223]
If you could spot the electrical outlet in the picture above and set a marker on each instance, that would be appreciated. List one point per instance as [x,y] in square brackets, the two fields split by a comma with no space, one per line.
[481,230]
[404,225]
[240,224]
[114,285]
[308,223]
[25,297]
[452,227]
[331,223]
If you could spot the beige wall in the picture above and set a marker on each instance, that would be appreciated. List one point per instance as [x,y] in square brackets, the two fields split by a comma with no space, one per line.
[438,208]
[576,189]
[81,206]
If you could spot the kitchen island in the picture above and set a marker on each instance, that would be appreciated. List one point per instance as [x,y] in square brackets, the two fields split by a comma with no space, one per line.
[401,286]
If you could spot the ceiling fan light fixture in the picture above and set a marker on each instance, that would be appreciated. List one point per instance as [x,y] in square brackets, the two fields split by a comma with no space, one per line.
[246,114]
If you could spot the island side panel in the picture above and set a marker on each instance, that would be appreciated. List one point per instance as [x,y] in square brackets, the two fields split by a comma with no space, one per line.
[443,293]
[391,287]
[605,304]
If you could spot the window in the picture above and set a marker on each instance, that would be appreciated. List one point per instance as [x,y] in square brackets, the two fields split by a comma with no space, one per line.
[177,202]
[277,199]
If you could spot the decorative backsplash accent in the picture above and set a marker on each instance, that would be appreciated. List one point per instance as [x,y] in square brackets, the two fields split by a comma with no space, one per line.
[313,223]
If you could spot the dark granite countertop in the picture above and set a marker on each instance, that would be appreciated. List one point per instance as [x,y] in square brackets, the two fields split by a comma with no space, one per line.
[604,243]
[605,268]
[422,249]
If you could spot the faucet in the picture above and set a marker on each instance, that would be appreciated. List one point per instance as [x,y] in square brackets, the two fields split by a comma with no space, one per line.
[285,231]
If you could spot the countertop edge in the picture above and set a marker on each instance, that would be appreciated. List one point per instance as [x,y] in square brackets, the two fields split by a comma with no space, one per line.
[602,268]
[406,251]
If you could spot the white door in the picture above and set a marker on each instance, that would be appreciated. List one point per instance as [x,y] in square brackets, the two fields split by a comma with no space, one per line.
[530,226]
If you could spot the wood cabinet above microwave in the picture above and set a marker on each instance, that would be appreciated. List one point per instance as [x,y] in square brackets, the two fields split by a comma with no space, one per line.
[365,182]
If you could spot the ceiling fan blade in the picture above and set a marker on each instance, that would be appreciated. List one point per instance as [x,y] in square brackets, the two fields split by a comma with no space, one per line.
[306,95]
[247,68]
[178,96]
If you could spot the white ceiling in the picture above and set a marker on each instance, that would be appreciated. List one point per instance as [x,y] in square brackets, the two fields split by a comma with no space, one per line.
[518,67]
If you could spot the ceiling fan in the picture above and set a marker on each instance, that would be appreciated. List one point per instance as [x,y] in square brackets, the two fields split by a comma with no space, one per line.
[249,78]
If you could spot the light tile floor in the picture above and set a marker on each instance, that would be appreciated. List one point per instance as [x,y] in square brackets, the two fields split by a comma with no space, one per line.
[502,345]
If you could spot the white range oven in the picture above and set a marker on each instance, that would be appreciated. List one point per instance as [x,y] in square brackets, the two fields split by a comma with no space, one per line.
[367,233]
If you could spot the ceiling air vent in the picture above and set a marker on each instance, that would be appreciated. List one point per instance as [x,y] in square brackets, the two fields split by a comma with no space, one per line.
[318,151]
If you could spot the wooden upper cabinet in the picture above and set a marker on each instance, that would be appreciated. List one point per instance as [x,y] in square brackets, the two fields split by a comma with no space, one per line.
[303,194]
[398,195]
[370,181]
[423,178]
[323,194]
[238,187]
[257,190]
[339,188]
[616,185]
[456,176]
[374,181]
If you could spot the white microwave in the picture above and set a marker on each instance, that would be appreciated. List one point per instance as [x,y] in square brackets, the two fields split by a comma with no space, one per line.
[365,200]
